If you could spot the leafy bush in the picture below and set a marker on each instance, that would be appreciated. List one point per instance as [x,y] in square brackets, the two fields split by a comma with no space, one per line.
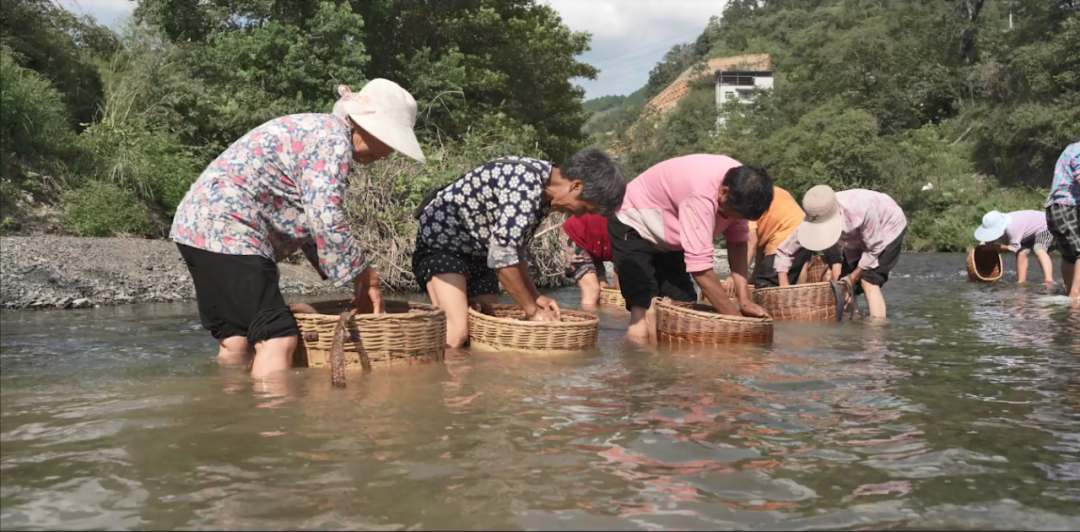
[104,209]
[153,164]
[34,124]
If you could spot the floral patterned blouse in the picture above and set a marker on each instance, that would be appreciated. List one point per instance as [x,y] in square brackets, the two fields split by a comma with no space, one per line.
[280,187]
[490,212]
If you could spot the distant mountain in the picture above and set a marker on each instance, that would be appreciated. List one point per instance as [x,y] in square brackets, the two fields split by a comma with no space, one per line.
[605,103]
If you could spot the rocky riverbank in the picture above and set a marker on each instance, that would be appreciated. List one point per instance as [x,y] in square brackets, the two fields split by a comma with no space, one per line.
[57,272]
[64,272]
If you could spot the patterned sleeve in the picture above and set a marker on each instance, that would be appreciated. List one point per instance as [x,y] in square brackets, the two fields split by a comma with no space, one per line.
[518,202]
[873,243]
[322,191]
[785,252]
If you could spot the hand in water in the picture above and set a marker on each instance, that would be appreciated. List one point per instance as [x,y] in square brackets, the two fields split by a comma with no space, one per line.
[753,310]
[549,305]
[544,315]
[729,287]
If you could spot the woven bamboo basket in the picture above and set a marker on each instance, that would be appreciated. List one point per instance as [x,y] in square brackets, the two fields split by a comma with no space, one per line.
[612,297]
[731,294]
[408,333]
[984,265]
[817,269]
[809,301]
[688,323]
[508,330]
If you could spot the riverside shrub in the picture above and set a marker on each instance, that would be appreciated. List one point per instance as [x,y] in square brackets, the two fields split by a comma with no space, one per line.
[104,209]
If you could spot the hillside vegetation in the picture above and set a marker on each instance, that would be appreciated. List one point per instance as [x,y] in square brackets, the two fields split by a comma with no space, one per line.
[893,96]
[113,128]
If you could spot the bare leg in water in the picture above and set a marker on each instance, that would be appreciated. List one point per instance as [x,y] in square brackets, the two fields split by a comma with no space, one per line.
[233,351]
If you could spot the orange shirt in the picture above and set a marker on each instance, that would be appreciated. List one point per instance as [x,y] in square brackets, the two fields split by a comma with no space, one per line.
[783,216]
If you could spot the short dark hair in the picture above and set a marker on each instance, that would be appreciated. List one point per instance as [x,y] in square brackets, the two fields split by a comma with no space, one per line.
[750,191]
[603,178]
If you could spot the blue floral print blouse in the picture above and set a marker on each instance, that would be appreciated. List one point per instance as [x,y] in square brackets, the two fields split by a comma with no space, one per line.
[279,187]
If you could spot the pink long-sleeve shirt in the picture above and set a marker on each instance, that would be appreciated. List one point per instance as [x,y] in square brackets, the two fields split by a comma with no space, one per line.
[673,205]
[871,221]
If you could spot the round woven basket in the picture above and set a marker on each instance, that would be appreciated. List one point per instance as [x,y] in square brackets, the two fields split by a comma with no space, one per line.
[809,301]
[816,270]
[408,333]
[731,295]
[508,330]
[612,297]
[688,323]
[984,265]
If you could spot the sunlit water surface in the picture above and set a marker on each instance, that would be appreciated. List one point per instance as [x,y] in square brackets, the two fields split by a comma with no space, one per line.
[960,411]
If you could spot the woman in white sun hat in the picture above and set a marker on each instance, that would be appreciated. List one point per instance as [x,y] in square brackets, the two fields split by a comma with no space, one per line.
[278,189]
[1023,232]
[868,226]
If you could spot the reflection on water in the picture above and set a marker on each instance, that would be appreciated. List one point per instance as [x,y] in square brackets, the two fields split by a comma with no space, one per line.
[960,411]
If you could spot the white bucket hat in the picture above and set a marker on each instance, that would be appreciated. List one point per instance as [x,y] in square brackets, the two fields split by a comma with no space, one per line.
[823,225]
[993,226]
[385,110]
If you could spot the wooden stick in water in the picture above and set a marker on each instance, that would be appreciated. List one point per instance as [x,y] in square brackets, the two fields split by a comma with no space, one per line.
[337,351]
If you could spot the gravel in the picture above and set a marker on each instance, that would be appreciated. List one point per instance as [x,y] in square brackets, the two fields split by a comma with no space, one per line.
[64,272]
[58,272]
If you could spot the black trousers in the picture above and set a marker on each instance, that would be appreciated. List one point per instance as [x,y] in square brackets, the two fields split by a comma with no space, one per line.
[238,295]
[886,262]
[646,272]
[768,276]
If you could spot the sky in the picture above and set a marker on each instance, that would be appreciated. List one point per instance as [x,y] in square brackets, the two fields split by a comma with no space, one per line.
[628,36]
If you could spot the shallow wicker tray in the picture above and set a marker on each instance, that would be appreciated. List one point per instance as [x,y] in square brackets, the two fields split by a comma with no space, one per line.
[808,301]
[984,265]
[689,323]
[612,297]
[508,330]
[408,333]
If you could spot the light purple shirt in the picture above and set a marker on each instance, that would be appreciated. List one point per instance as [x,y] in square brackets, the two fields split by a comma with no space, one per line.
[1024,226]
[871,221]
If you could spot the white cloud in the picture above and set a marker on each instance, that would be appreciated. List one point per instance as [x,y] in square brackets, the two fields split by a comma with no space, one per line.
[631,36]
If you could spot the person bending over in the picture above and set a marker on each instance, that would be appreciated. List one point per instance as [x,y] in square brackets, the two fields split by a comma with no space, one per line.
[662,236]
[768,232]
[281,187]
[1063,215]
[869,227]
[586,247]
[472,234]
[1023,232]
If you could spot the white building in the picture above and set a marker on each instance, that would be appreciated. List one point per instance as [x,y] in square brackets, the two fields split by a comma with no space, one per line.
[741,84]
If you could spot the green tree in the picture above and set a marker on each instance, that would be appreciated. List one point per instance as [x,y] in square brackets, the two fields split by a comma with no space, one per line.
[461,59]
[50,40]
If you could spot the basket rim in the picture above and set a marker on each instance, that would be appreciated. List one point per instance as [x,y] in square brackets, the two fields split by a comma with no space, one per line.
[794,287]
[591,321]
[973,268]
[666,303]
[426,311]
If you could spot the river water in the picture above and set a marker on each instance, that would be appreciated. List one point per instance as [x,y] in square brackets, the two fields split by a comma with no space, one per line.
[961,411]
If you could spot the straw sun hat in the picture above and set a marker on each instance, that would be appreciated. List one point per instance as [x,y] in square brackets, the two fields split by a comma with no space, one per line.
[385,110]
[822,226]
